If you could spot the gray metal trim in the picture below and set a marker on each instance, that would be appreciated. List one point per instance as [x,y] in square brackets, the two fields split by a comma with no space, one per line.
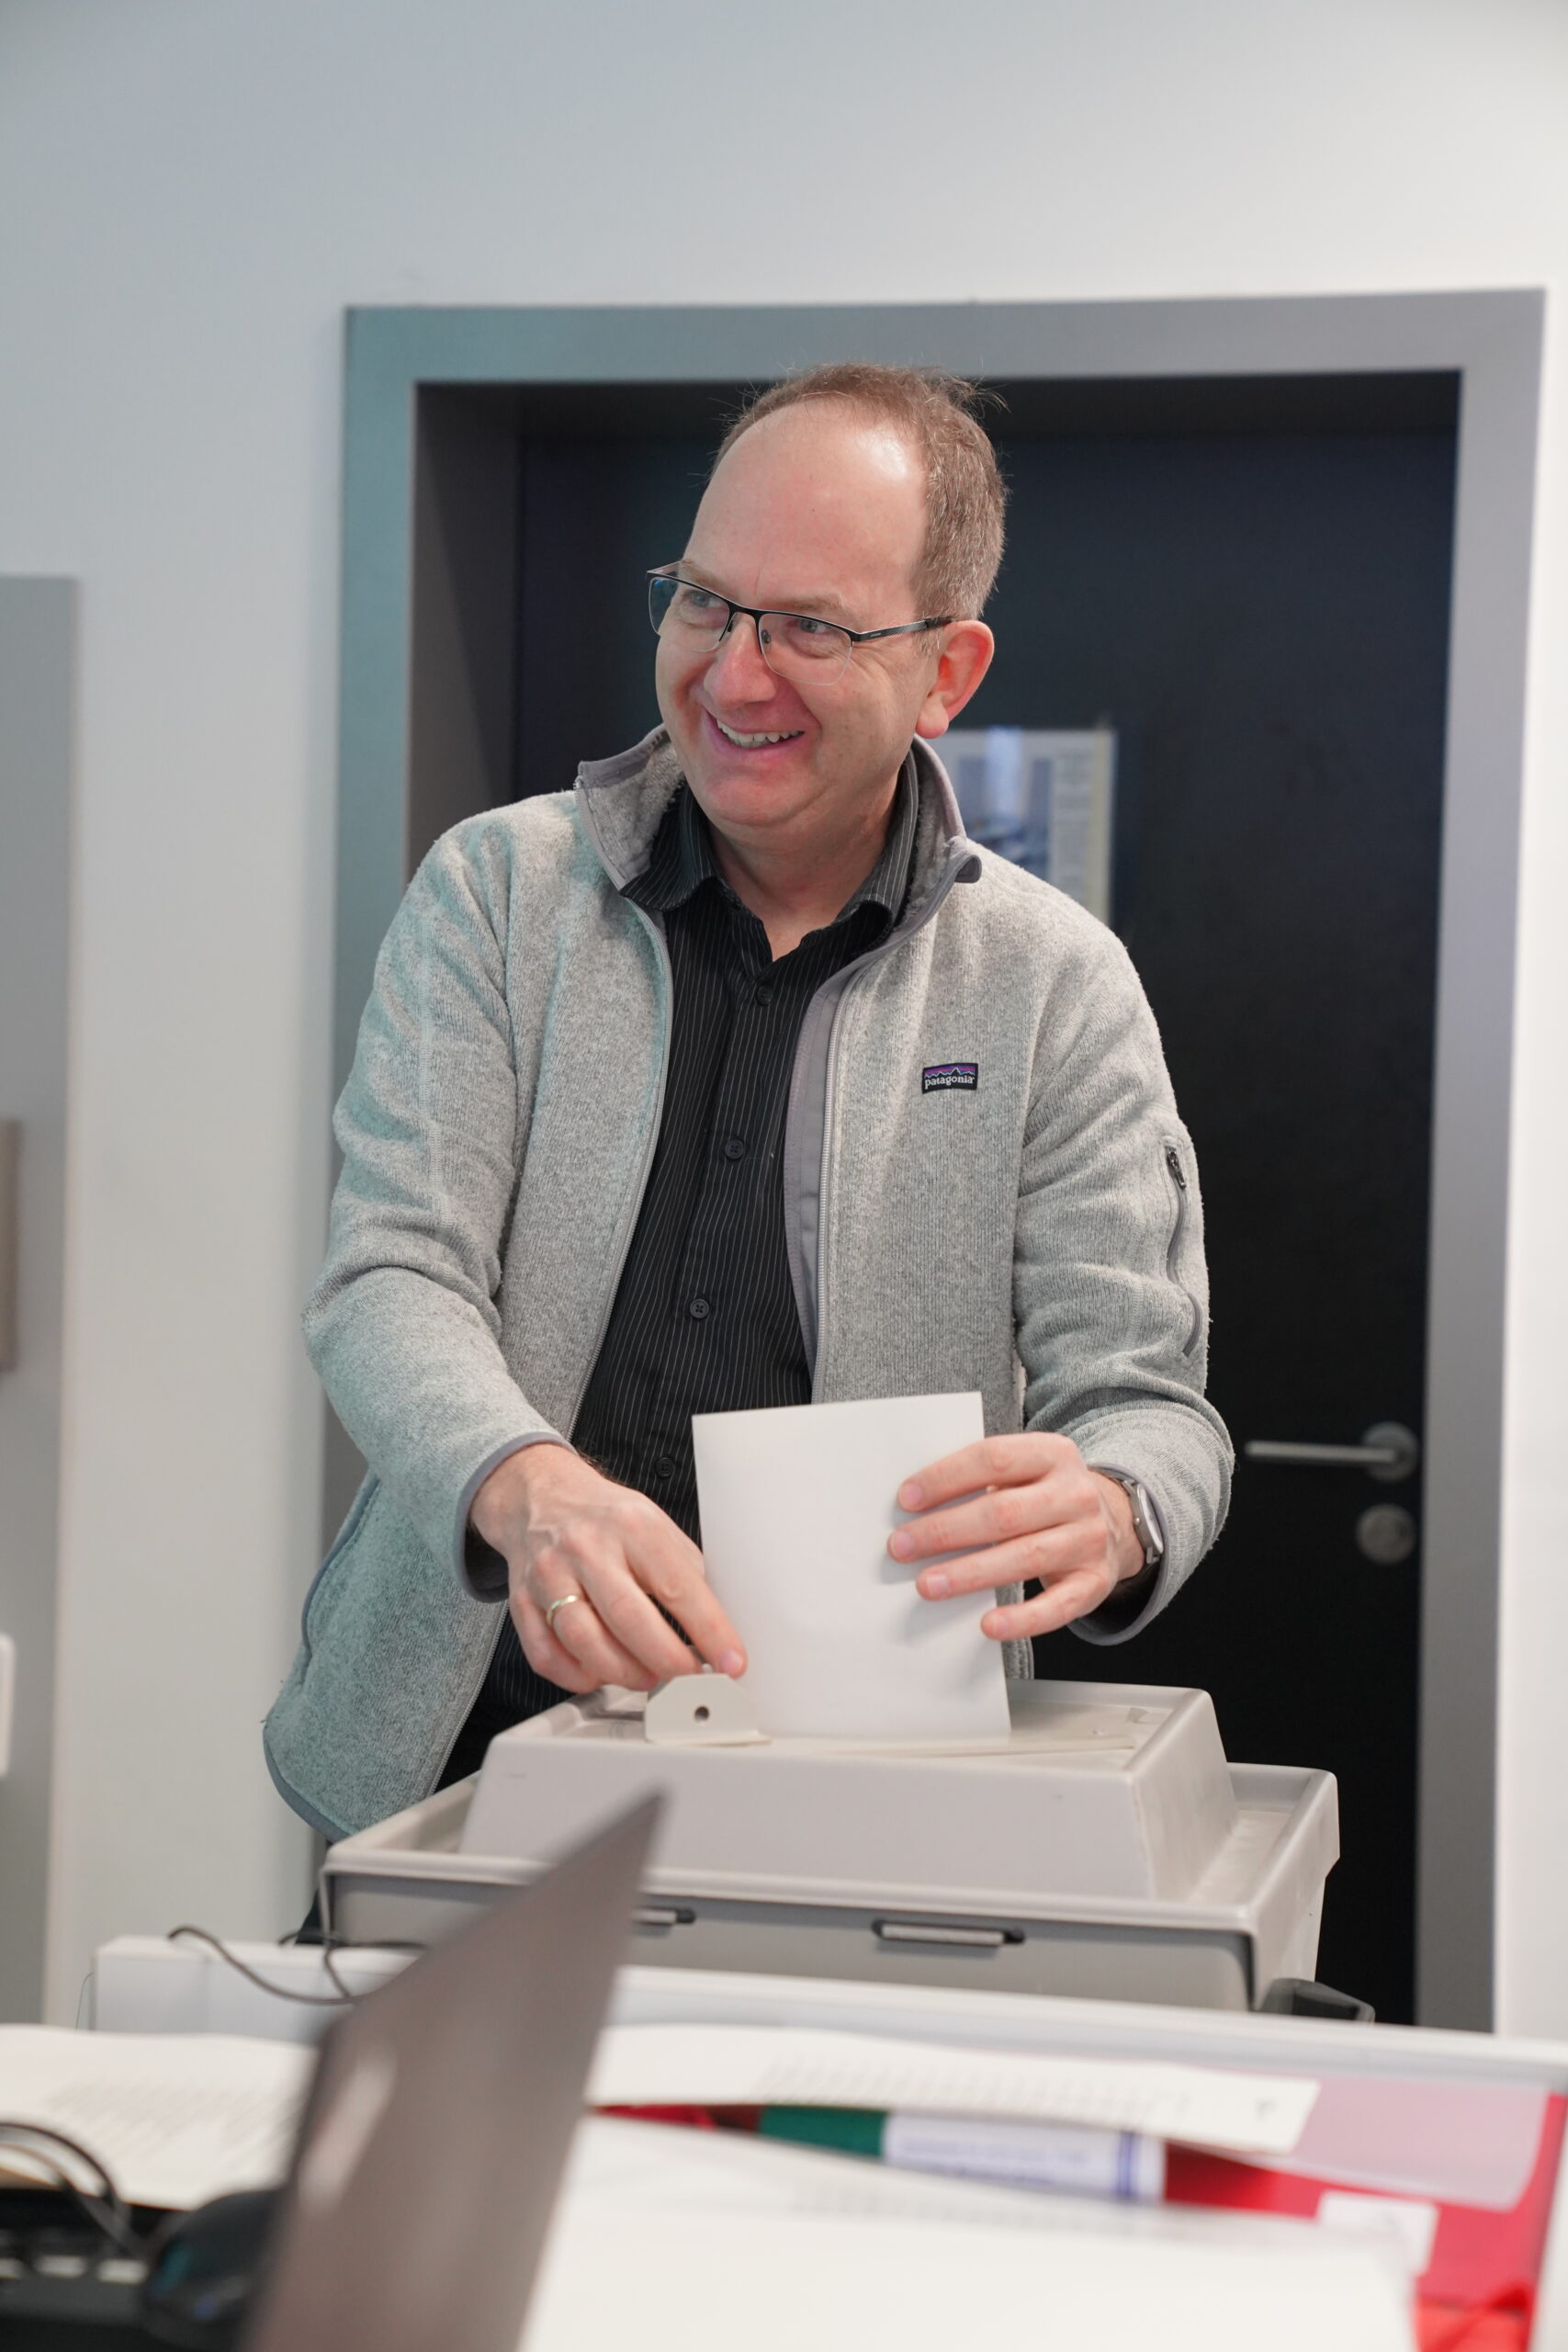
[1493,340]
[378,575]
[10,1238]
[1462,1465]
[39,662]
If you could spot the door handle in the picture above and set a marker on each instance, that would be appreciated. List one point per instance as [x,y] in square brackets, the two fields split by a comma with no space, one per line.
[1387,1451]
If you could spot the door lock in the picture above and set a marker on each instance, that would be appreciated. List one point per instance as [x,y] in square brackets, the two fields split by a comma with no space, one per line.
[1386,1534]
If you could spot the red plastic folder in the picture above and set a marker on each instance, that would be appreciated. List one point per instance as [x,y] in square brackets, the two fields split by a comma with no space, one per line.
[1465,2172]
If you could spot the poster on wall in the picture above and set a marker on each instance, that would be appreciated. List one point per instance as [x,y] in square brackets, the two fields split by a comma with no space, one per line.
[1043,797]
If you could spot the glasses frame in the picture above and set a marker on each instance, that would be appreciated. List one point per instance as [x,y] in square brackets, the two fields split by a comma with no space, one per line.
[758,615]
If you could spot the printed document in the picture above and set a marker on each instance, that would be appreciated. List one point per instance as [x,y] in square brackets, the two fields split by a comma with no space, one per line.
[177,2118]
[739,2065]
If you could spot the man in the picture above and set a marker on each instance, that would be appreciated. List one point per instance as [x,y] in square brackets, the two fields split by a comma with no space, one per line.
[740,1077]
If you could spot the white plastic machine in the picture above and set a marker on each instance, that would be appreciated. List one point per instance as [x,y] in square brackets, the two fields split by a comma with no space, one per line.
[1105,1849]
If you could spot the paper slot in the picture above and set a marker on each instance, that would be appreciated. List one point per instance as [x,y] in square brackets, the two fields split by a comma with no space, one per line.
[798,1505]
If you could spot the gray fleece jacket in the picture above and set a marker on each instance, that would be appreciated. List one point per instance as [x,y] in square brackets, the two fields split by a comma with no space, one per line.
[1036,1235]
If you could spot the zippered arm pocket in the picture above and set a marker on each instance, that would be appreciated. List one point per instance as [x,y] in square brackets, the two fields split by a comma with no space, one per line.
[1178,1180]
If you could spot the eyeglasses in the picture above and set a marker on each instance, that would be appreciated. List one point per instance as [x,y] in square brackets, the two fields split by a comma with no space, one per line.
[792,644]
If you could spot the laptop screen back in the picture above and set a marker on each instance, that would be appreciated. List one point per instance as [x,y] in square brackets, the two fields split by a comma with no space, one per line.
[439,2121]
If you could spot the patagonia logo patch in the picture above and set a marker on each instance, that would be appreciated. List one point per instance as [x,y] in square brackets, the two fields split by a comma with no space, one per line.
[950,1077]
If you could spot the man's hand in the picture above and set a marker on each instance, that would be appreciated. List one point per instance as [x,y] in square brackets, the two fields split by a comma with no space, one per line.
[1044,1513]
[565,1529]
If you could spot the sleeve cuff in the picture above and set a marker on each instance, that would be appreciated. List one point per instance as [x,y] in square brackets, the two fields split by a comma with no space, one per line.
[1126,1608]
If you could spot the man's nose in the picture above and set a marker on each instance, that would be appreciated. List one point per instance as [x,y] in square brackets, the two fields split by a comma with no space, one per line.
[738,666]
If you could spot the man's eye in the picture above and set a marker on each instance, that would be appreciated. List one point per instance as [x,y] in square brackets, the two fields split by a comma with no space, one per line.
[813,640]
[695,602]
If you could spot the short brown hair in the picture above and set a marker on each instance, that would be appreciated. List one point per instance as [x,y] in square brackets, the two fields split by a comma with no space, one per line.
[964,495]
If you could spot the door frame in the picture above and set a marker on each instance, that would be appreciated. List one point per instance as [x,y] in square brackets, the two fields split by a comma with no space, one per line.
[38,644]
[1492,340]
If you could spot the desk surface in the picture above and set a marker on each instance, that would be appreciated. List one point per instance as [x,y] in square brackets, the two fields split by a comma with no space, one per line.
[171,1988]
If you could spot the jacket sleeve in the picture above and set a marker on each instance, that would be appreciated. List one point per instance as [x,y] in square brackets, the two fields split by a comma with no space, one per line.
[402,1325]
[1111,1287]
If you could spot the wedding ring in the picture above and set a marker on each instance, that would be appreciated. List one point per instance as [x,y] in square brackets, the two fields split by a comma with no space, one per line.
[564,1602]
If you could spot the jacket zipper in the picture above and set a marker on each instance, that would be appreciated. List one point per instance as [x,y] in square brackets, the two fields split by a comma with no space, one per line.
[1019,1655]
[629,1222]
[617,1266]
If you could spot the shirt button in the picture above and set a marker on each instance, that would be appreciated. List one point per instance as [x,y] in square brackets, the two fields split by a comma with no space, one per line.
[697,1309]
[734,1148]
[764,993]
[664,1465]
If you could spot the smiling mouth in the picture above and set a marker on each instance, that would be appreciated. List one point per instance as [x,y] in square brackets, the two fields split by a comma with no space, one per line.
[754,742]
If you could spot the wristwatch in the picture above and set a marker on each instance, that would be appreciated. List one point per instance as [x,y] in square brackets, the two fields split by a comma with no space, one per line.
[1146,1524]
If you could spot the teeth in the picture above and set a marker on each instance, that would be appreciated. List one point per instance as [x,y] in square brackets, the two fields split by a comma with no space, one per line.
[752,743]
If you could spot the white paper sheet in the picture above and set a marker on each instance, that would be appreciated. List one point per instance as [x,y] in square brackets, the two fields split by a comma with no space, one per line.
[798,1505]
[702,2240]
[177,2118]
[737,2065]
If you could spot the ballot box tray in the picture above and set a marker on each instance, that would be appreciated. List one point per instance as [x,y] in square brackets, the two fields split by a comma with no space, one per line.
[1108,1849]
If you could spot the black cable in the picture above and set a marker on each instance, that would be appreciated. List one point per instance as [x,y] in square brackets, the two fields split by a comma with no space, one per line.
[340,1999]
[108,2212]
[329,1968]
[343,1996]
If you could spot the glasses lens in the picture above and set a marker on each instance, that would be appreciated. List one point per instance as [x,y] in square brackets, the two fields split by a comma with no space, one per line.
[794,643]
[676,609]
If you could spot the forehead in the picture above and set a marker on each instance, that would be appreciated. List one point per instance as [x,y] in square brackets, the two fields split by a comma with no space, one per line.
[816,504]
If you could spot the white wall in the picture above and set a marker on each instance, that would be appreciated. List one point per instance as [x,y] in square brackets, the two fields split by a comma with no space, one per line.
[189,196]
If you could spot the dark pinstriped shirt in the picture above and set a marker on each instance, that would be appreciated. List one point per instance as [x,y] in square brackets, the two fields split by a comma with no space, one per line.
[704,1318]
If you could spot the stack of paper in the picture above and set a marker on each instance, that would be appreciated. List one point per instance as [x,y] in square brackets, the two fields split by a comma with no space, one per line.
[718,2240]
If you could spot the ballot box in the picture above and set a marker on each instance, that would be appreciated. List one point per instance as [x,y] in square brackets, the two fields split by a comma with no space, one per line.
[1106,1848]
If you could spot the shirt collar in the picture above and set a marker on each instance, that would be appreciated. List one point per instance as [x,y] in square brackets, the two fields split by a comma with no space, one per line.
[682,856]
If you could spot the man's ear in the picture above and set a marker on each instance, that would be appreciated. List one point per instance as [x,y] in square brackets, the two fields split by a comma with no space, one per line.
[965,656]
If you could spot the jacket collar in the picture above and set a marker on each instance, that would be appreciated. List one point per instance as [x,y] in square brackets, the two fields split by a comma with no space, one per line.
[683,858]
[622,803]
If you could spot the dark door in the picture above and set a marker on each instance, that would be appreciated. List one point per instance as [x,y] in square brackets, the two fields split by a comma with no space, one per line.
[1250,583]
[1264,619]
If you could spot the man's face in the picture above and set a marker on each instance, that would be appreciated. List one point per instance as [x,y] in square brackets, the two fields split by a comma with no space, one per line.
[815,510]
